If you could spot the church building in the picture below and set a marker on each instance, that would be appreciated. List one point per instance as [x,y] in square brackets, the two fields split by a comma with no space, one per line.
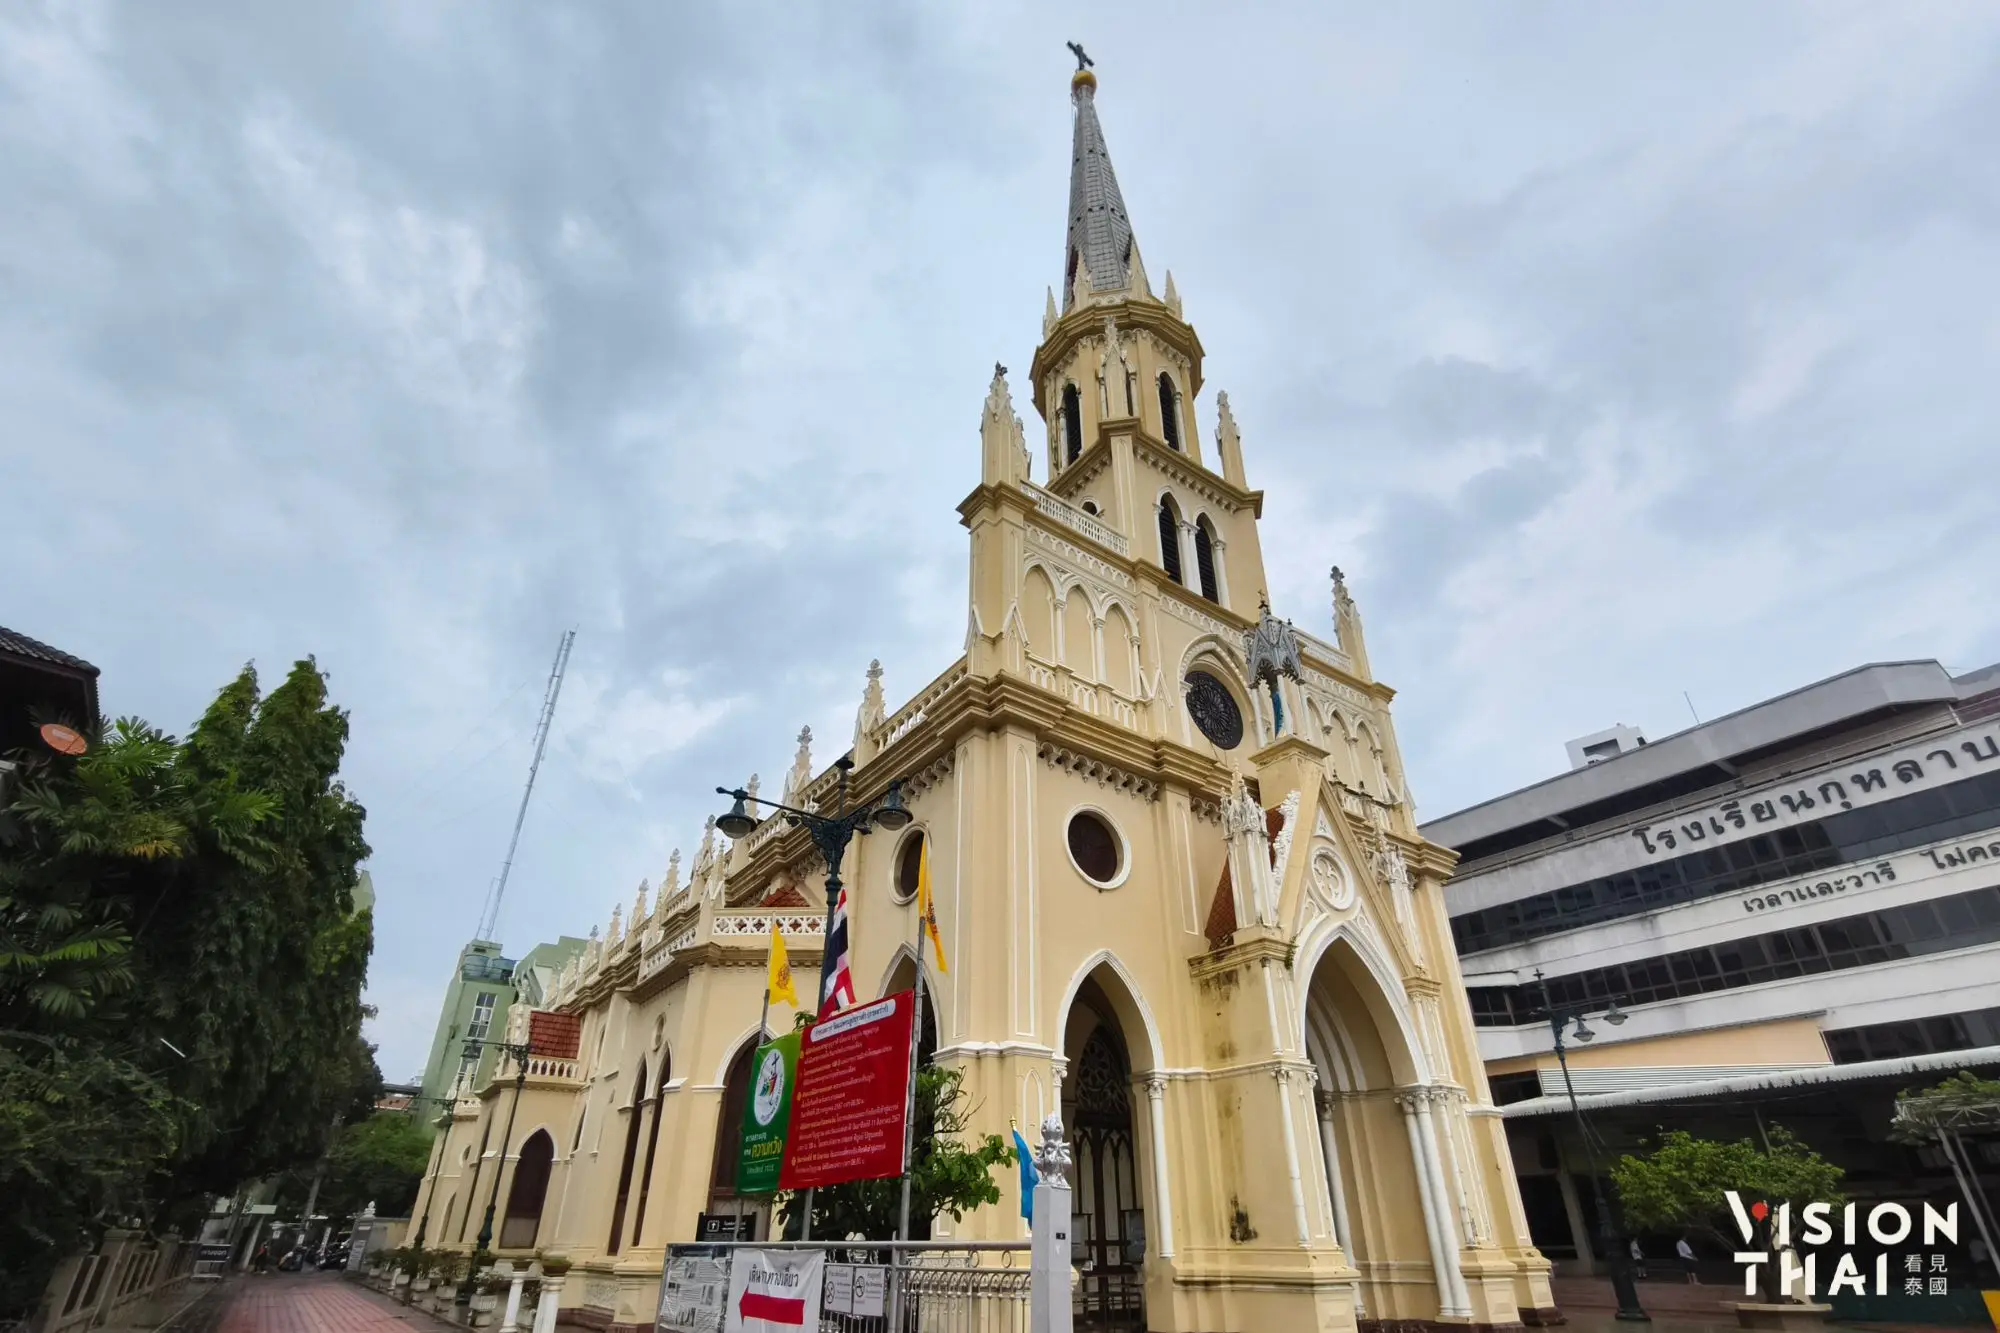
[1181,892]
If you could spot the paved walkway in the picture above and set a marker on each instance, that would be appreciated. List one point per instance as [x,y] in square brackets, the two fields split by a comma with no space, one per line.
[317,1303]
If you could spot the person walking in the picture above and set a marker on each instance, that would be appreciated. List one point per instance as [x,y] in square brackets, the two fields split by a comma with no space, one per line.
[1686,1253]
[1638,1260]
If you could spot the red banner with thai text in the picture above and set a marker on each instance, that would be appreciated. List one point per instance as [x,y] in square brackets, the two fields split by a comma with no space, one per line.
[852,1094]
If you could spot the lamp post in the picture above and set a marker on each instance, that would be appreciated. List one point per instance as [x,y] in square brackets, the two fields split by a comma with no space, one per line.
[519,1054]
[1609,1238]
[437,1165]
[830,835]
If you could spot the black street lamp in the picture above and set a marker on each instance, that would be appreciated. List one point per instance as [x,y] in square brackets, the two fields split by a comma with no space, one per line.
[437,1165]
[830,834]
[1610,1239]
[519,1054]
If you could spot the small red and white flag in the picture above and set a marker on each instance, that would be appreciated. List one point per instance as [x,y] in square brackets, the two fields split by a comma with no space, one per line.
[840,982]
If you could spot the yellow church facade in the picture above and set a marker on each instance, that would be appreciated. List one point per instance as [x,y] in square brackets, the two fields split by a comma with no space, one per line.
[1182,896]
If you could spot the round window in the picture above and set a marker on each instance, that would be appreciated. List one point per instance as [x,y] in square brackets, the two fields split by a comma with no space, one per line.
[1214,710]
[1095,847]
[909,862]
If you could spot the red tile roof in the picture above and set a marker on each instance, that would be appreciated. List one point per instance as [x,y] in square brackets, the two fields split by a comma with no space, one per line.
[558,1036]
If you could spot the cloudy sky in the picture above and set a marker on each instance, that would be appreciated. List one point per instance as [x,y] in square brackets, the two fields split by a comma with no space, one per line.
[1615,352]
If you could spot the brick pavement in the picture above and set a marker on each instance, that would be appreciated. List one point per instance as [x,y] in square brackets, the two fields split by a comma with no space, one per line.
[318,1303]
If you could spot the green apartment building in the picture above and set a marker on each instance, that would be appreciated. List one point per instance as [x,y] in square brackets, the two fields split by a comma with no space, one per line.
[476,999]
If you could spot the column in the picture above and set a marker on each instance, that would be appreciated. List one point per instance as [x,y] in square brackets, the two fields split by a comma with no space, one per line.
[510,1322]
[547,1307]
[1156,1092]
[1446,1293]
[1329,1149]
[1441,1192]
[1290,1128]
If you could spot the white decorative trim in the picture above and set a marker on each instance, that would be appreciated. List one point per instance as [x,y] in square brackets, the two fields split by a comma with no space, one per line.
[1201,620]
[1155,1052]
[1070,550]
[1105,775]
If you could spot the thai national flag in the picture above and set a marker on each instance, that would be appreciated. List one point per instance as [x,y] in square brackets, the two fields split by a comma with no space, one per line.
[840,982]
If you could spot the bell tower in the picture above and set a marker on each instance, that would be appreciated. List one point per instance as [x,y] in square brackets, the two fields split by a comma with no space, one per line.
[1115,380]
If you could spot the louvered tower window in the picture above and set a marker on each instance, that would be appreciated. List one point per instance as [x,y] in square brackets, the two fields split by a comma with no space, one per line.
[1204,559]
[1072,417]
[1170,412]
[1170,539]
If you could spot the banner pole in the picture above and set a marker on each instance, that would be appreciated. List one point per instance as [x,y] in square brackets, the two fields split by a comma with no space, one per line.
[763,1031]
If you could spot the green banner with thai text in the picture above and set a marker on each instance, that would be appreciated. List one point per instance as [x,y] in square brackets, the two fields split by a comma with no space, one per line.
[767,1114]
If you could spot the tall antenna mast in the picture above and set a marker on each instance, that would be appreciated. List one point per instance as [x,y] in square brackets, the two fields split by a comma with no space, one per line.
[489,920]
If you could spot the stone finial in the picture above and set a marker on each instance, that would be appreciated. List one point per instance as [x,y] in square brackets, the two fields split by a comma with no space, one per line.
[750,790]
[639,905]
[671,885]
[614,931]
[801,774]
[1003,446]
[1052,1157]
[1347,624]
[870,715]
[706,854]
[1172,297]
[1049,315]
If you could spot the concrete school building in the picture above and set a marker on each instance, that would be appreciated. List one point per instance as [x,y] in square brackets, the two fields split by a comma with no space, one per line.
[1797,908]
[1194,916]
[483,987]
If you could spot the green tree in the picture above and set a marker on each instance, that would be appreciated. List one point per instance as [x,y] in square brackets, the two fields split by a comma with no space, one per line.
[1683,1183]
[380,1159]
[179,942]
[946,1175]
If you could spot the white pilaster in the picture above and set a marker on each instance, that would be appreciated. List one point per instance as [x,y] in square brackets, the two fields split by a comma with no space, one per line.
[1156,1094]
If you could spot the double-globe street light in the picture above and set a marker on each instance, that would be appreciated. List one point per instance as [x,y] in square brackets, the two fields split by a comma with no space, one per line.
[1610,1239]
[830,834]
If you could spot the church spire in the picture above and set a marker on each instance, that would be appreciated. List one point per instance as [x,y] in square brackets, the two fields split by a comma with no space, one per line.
[1100,234]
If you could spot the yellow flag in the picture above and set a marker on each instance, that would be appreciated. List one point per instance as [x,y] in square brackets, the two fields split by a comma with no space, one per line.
[926,905]
[780,984]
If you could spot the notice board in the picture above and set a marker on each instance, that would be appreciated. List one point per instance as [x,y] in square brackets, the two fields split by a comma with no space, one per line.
[853,1094]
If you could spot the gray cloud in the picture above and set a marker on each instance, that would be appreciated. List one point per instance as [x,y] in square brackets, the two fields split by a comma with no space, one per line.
[1613,354]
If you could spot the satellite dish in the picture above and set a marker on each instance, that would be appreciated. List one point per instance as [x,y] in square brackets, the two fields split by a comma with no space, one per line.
[63,740]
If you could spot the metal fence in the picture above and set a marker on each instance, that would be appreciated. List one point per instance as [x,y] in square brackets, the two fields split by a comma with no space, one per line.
[879,1287]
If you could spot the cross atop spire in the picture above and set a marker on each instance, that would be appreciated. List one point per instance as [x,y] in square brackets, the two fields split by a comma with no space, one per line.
[1100,234]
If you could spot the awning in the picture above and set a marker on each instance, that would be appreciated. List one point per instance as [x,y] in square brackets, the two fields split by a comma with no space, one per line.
[1696,1090]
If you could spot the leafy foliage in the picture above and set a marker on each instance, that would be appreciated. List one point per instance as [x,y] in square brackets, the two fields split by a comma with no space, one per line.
[1965,1103]
[1681,1184]
[180,967]
[946,1176]
[379,1160]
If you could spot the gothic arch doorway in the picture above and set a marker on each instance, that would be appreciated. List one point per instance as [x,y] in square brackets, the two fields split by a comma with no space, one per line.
[1108,1213]
[1378,1146]
[528,1192]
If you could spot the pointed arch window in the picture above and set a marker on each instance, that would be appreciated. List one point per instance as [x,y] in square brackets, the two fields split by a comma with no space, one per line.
[652,1146]
[1170,539]
[1170,412]
[1204,558]
[1072,419]
[625,1164]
